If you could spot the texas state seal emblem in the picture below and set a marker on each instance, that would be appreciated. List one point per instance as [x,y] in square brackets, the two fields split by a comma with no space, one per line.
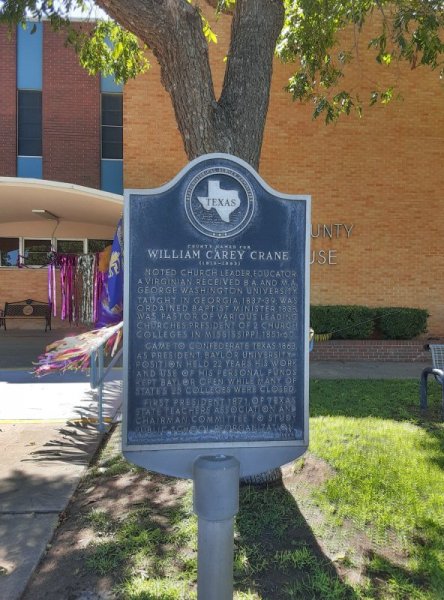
[219,202]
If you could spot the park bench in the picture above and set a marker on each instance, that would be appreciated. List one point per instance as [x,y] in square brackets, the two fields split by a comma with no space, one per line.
[437,370]
[27,309]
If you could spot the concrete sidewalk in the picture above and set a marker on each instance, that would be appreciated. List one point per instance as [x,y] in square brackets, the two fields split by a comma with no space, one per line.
[48,437]
[20,348]
[366,370]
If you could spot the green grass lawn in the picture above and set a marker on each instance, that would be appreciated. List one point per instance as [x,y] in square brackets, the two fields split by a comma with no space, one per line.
[372,529]
[389,481]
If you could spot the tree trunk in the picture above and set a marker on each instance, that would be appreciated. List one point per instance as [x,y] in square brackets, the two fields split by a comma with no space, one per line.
[245,94]
[234,124]
[173,30]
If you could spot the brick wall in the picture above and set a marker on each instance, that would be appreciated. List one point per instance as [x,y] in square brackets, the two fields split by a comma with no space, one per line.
[8,102]
[20,284]
[381,176]
[371,350]
[71,116]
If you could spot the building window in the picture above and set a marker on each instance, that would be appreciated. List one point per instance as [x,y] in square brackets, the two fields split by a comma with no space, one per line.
[98,245]
[29,125]
[112,126]
[36,252]
[71,246]
[9,252]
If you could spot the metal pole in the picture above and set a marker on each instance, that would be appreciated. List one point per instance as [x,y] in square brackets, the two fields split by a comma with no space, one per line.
[216,502]
[93,371]
[423,387]
[442,409]
[100,390]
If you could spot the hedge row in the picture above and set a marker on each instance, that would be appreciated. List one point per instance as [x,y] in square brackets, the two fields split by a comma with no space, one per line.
[360,322]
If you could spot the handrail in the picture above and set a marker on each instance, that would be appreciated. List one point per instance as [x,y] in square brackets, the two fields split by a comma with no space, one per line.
[97,377]
[439,377]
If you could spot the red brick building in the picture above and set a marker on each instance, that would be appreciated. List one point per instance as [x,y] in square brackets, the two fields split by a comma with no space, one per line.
[61,153]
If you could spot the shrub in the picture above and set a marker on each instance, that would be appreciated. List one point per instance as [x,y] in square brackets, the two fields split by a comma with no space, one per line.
[400,323]
[344,322]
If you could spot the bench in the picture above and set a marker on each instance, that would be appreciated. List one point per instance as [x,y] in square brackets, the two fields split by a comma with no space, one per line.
[437,370]
[27,309]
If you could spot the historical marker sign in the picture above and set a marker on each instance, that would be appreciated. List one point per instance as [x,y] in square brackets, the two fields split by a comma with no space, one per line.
[216,320]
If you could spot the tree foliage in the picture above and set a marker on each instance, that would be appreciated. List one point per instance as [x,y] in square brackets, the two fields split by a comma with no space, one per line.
[105,47]
[408,30]
[311,39]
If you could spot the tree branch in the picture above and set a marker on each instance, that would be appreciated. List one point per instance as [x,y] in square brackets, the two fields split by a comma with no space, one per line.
[246,90]
[173,31]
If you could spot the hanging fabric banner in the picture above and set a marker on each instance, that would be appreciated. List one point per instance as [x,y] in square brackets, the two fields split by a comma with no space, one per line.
[110,310]
[85,277]
[67,283]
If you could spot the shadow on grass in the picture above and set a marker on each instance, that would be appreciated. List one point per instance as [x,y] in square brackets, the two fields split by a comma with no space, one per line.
[399,401]
[430,553]
[426,581]
[145,547]
[277,555]
[134,528]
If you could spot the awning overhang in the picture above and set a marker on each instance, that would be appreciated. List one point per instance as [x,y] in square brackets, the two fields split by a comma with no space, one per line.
[69,202]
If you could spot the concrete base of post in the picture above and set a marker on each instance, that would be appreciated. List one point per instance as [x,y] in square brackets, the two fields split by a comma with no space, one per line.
[216,502]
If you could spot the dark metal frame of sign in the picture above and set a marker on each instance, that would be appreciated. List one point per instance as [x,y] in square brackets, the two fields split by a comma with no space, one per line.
[215,233]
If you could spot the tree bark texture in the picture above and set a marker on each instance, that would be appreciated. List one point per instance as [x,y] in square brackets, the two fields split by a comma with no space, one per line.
[235,123]
[173,31]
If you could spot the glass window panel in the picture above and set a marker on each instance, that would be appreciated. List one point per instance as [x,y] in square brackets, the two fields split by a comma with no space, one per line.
[112,130]
[29,130]
[29,122]
[112,134]
[37,252]
[112,101]
[29,147]
[31,113]
[112,146]
[113,118]
[111,150]
[70,246]
[112,142]
[9,252]
[112,109]
[98,245]
[27,126]
[30,99]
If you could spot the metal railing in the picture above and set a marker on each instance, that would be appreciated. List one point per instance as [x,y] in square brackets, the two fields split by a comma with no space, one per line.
[97,377]
[437,371]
